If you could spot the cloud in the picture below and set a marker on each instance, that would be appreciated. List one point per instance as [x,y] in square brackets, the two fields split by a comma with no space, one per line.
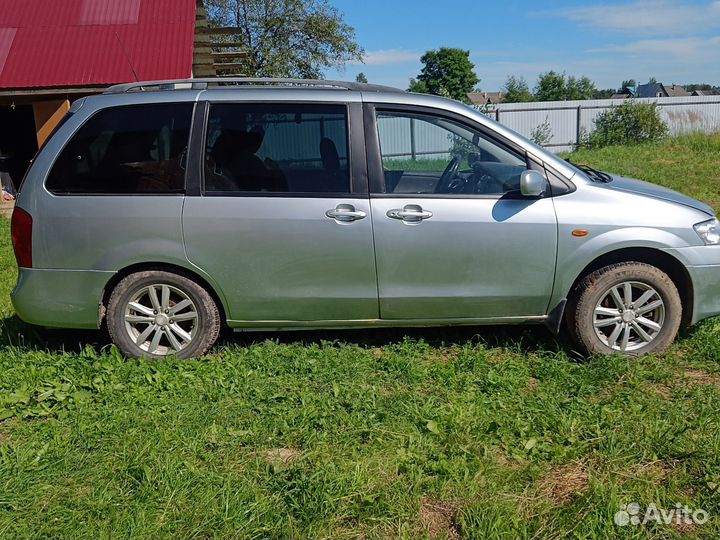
[648,17]
[674,60]
[696,50]
[390,56]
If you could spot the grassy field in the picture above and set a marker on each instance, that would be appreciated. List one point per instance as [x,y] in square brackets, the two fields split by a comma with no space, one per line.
[476,433]
[418,165]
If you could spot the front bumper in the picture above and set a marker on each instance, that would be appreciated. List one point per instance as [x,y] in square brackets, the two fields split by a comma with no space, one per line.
[59,298]
[703,265]
[706,288]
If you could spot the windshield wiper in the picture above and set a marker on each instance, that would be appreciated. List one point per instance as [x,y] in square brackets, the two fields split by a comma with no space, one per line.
[594,174]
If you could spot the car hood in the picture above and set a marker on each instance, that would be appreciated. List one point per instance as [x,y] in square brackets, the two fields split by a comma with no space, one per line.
[631,185]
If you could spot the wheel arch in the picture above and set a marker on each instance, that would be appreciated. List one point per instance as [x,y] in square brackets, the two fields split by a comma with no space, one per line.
[675,270]
[164,267]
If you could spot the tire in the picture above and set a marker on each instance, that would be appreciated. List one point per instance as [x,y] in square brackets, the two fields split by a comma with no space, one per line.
[598,317]
[179,319]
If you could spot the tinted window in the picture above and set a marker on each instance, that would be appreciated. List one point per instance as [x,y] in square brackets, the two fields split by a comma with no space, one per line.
[122,150]
[432,154]
[277,149]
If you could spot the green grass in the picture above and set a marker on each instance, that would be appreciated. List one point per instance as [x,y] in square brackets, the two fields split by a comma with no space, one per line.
[476,433]
[418,165]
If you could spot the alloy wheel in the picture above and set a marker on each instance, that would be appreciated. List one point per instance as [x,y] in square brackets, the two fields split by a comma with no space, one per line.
[629,316]
[161,319]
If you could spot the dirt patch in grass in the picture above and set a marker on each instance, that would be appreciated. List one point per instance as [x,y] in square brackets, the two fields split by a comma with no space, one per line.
[443,357]
[662,390]
[684,529]
[386,391]
[281,456]
[507,462]
[5,429]
[653,471]
[438,518]
[501,355]
[605,394]
[563,483]
[702,377]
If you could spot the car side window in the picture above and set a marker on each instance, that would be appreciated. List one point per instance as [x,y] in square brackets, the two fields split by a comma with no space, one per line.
[126,150]
[277,148]
[424,154]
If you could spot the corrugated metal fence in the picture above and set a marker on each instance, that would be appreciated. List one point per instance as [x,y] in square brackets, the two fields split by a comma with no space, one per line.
[569,120]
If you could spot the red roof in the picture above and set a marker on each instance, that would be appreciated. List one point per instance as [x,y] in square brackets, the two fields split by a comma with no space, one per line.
[65,43]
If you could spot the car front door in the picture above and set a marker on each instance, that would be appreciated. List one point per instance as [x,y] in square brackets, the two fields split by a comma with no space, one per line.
[282,223]
[454,239]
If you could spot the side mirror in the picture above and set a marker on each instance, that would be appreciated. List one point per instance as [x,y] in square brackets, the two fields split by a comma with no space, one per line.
[532,184]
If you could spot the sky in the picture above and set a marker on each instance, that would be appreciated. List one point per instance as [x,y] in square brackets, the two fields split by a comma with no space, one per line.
[677,42]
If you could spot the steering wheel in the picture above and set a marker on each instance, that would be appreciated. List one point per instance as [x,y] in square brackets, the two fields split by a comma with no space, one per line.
[447,176]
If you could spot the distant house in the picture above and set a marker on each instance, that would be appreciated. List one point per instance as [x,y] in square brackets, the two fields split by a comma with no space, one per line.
[676,91]
[485,98]
[651,90]
[655,90]
[660,90]
[625,93]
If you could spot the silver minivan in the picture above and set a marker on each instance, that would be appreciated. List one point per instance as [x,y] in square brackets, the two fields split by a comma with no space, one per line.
[168,209]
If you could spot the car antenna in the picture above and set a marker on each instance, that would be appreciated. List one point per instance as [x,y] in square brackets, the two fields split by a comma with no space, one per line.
[127,57]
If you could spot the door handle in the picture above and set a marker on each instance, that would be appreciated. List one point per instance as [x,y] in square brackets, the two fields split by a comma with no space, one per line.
[411,213]
[345,213]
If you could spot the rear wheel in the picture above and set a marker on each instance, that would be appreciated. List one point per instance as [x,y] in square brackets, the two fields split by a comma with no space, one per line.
[156,314]
[628,308]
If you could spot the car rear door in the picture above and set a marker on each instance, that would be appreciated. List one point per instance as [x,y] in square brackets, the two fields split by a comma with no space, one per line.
[282,218]
[460,244]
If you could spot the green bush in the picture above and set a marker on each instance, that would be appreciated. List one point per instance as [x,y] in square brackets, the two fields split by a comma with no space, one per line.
[629,123]
[542,134]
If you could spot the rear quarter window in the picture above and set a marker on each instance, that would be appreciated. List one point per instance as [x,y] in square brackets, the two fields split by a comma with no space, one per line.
[126,150]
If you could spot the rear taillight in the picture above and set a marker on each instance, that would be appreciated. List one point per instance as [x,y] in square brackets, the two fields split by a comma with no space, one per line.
[21,228]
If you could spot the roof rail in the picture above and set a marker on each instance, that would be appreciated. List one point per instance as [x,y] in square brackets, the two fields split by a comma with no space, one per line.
[230,82]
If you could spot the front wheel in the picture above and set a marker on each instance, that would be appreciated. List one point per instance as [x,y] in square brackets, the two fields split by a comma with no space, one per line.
[157,314]
[628,308]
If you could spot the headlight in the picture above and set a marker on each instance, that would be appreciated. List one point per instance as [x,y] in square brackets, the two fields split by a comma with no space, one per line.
[709,231]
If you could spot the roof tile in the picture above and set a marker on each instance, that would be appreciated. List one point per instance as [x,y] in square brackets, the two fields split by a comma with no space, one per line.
[82,44]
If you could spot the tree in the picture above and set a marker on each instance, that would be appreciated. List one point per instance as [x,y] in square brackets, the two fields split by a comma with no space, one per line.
[287,38]
[361,78]
[629,83]
[605,93]
[553,86]
[418,87]
[550,87]
[446,72]
[516,90]
[705,88]
[582,88]
[652,80]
